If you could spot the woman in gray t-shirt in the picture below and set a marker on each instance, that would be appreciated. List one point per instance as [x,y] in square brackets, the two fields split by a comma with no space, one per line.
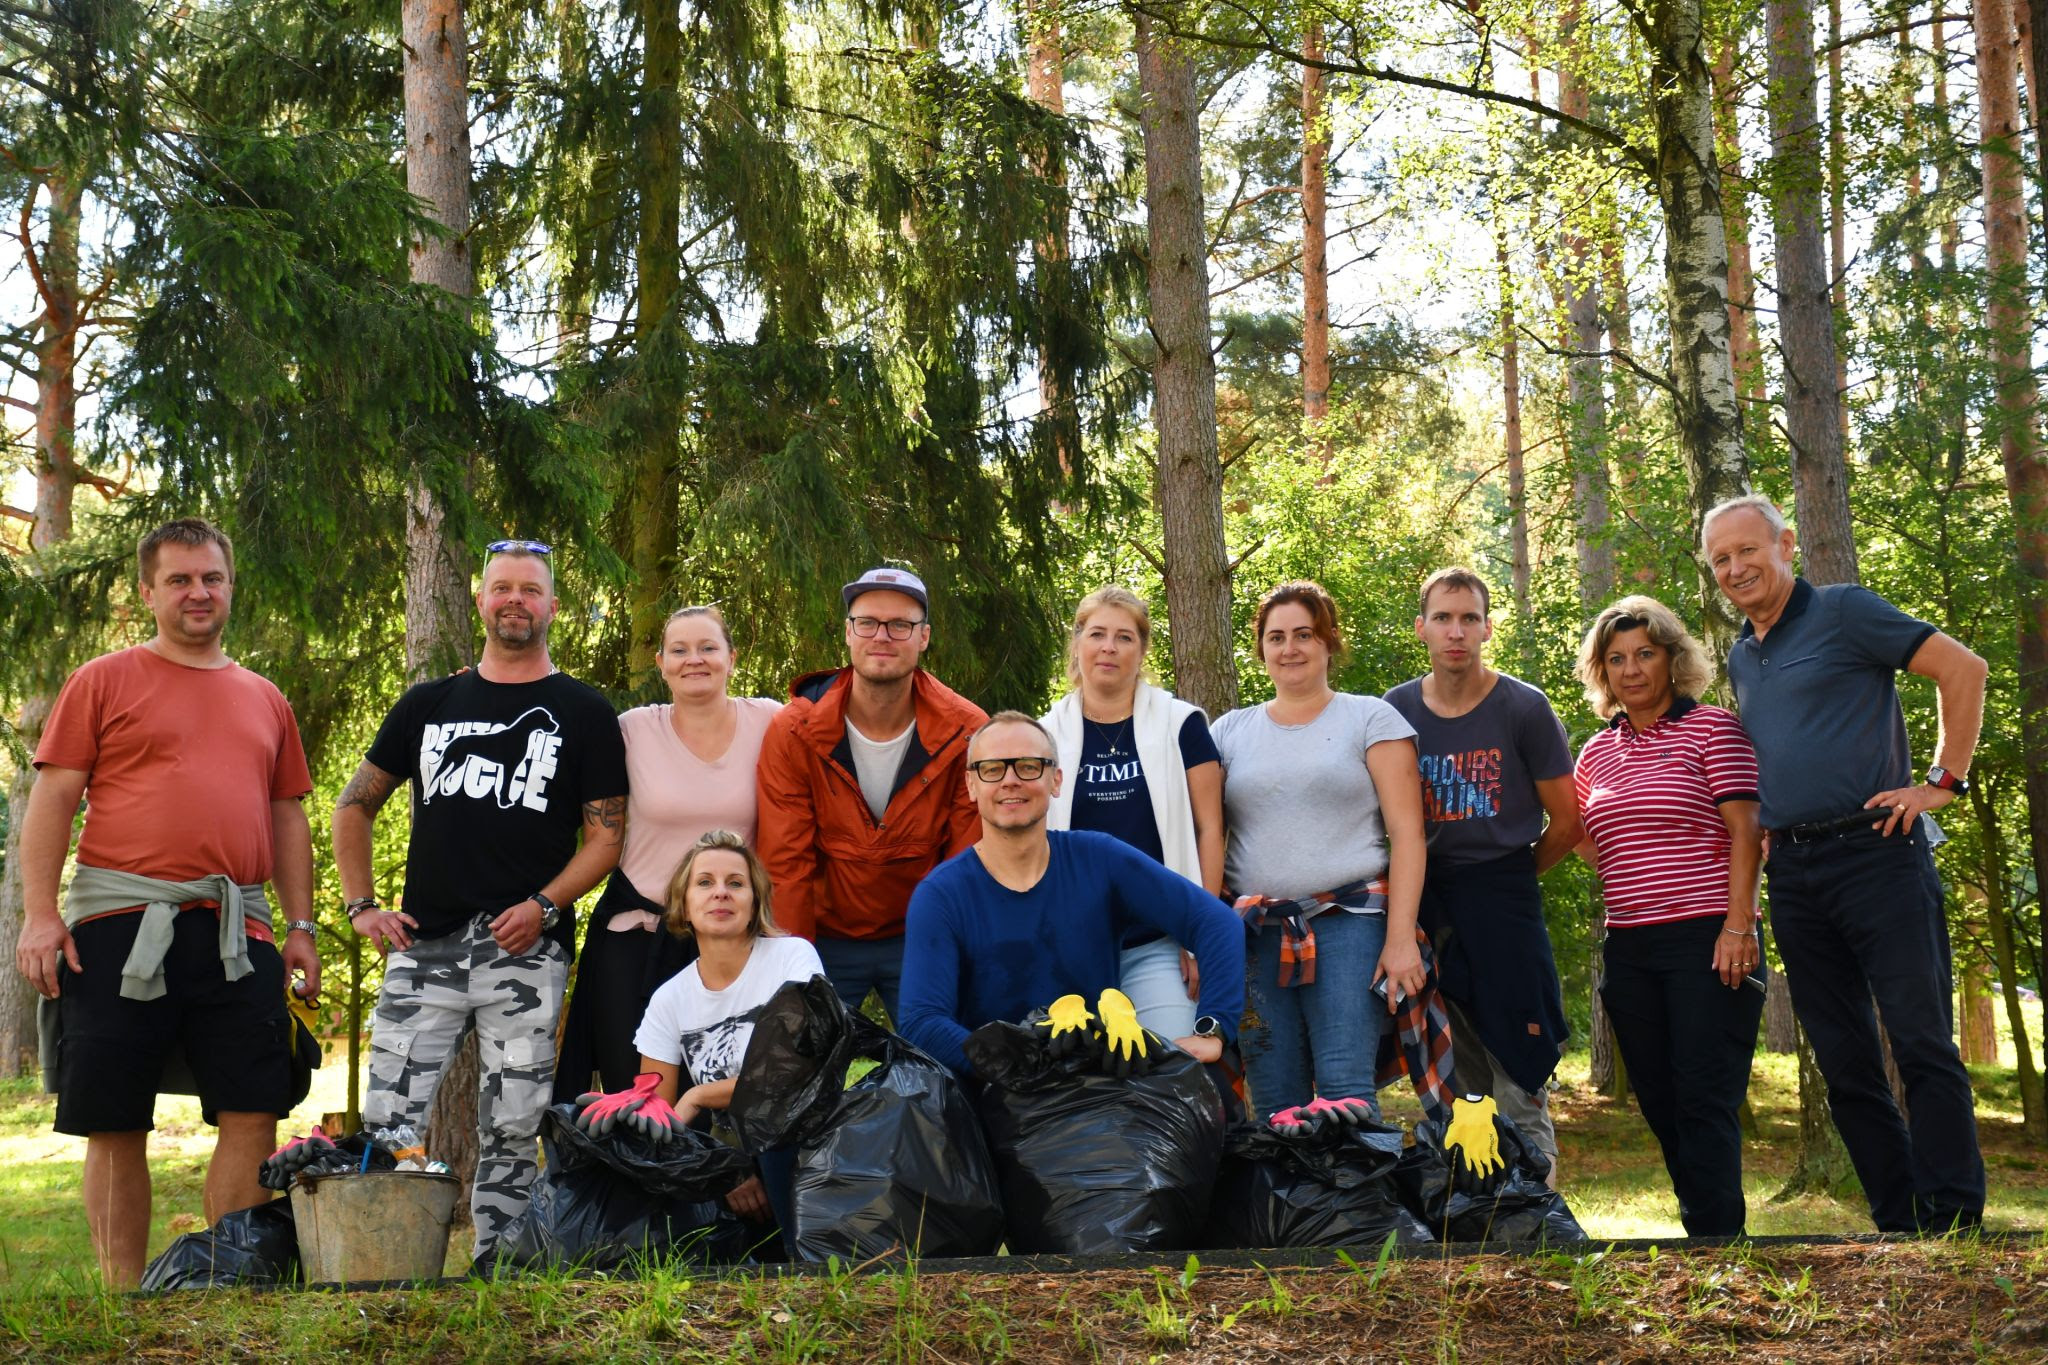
[1321,795]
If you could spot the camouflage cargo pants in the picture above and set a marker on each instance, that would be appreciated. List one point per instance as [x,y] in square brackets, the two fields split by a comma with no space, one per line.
[434,993]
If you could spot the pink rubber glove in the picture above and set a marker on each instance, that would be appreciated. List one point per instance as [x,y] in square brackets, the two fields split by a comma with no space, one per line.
[1348,1112]
[656,1120]
[598,1114]
[1290,1122]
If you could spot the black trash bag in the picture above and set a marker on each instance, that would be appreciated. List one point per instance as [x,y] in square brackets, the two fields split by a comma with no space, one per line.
[1521,1211]
[253,1246]
[1331,1188]
[1091,1164]
[892,1165]
[602,1203]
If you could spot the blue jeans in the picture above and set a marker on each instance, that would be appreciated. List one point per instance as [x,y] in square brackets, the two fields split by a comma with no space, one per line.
[1858,916]
[1321,1039]
[1151,977]
[855,966]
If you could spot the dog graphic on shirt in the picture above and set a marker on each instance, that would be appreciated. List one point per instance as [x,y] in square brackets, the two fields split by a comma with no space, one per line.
[511,764]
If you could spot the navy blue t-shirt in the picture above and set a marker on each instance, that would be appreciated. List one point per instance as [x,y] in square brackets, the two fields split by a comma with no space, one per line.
[1819,696]
[975,951]
[1111,795]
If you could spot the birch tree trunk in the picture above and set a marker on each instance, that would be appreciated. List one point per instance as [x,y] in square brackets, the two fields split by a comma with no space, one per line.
[1315,245]
[1708,419]
[438,633]
[2008,320]
[1190,477]
[1806,316]
[1585,370]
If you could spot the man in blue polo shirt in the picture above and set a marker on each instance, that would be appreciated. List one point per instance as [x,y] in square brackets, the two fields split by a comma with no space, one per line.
[1855,902]
[1024,916]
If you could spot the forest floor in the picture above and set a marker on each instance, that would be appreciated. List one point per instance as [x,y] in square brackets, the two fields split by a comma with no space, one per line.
[1650,1297]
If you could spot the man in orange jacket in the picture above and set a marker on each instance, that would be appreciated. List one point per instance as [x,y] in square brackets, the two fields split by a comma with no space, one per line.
[863,788]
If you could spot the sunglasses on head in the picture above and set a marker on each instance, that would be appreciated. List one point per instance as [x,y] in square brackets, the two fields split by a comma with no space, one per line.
[529,547]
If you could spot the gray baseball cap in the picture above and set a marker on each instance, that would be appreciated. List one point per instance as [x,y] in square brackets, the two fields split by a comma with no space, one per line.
[887,580]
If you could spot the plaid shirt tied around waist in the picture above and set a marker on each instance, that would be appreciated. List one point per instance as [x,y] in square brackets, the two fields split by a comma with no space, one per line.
[1297,938]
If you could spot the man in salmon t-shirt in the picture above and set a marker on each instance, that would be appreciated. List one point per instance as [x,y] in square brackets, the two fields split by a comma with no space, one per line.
[195,773]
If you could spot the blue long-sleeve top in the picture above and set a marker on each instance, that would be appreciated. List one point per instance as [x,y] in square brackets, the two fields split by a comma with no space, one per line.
[975,951]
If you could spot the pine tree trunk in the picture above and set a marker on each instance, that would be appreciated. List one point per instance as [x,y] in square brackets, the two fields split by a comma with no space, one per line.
[2007,318]
[1806,317]
[2005,932]
[1511,437]
[1708,420]
[1838,190]
[1315,245]
[1749,374]
[55,465]
[1046,83]
[437,607]
[1977,1020]
[1190,477]
[1823,1166]
[656,476]
[1781,1025]
[2037,100]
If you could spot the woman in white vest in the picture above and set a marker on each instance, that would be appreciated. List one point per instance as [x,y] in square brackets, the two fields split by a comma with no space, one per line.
[1139,766]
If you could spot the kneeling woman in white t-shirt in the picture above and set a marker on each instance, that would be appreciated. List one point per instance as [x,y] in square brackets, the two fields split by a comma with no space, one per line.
[695,1032]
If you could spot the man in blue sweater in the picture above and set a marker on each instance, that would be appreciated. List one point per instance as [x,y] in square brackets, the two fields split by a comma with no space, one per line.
[1027,916]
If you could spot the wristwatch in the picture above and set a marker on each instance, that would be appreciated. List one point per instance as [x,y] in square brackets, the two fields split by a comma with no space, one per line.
[1208,1026]
[302,926]
[550,913]
[1938,776]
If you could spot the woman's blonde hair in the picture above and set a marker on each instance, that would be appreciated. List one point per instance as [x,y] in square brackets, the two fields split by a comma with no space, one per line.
[1110,596]
[1691,670]
[762,925]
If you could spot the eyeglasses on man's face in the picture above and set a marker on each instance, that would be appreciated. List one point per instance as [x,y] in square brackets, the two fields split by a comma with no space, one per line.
[1028,769]
[867,626]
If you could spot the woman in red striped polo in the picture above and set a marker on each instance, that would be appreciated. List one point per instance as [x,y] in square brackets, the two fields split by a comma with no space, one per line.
[1669,793]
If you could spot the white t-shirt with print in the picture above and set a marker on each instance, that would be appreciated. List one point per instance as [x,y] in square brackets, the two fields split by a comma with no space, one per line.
[706,1032]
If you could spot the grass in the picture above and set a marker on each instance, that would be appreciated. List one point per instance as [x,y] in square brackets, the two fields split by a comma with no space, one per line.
[1960,1299]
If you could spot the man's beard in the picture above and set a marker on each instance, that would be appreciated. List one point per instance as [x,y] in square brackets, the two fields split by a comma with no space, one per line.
[524,634]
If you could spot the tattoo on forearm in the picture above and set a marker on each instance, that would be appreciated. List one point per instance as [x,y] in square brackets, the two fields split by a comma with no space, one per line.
[370,788]
[608,814]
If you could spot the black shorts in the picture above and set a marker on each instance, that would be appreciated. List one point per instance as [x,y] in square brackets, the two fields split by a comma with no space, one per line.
[234,1033]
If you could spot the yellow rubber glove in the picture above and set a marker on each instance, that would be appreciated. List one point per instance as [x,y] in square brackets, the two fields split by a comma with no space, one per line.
[1068,1026]
[1126,1047]
[1472,1141]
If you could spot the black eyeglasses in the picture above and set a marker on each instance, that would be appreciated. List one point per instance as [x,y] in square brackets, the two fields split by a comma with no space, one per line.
[1029,769]
[528,547]
[866,626]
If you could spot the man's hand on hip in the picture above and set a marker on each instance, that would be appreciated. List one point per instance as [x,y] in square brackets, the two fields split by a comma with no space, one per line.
[302,958]
[44,940]
[1903,806]
[518,928]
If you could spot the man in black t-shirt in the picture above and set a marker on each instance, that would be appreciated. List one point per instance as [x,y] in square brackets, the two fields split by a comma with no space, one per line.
[1495,763]
[508,762]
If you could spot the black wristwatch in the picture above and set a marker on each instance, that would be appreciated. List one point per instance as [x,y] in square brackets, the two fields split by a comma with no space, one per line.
[1208,1026]
[550,913]
[1938,776]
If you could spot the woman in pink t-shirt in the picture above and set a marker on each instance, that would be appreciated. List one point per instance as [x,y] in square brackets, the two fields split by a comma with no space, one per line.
[690,767]
[1668,789]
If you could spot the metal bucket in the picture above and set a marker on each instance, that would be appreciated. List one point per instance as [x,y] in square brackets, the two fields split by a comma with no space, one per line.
[376,1225]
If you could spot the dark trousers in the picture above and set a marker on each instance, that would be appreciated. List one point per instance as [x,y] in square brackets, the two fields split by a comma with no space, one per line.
[1859,916]
[1687,1041]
